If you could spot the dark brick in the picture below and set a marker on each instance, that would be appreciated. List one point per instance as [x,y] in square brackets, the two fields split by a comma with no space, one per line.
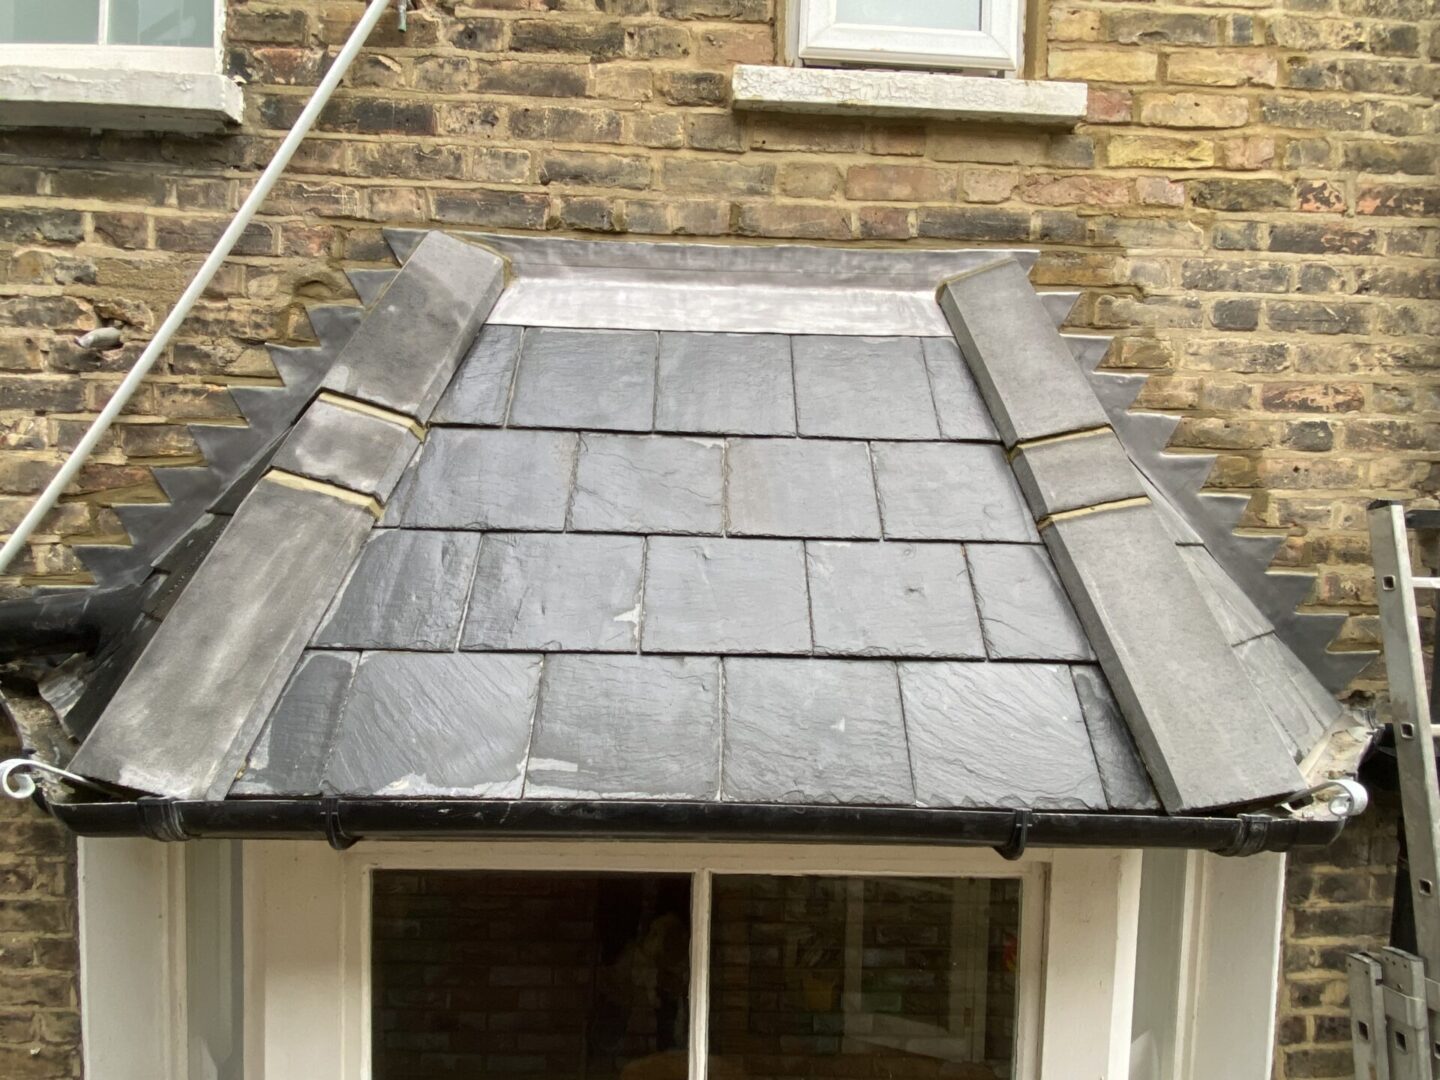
[966,224]
[1310,436]
[1235,314]
[533,80]
[270,26]
[733,10]
[1151,28]
[693,87]
[477,206]
[478,35]
[1321,239]
[598,40]
[1241,194]
[25,226]
[1215,275]
[1374,156]
[1388,201]
[600,170]
[1316,317]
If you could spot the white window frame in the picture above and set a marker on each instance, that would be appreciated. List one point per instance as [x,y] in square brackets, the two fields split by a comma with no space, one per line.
[308,942]
[180,59]
[140,87]
[821,38]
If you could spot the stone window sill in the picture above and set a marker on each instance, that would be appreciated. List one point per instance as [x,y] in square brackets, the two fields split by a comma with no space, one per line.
[908,93]
[126,100]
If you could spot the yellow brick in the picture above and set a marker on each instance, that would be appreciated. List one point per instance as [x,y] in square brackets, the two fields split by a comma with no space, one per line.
[1104,65]
[1222,67]
[1157,152]
[1194,110]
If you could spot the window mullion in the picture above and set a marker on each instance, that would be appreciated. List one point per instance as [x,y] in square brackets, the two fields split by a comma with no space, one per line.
[700,975]
[103,30]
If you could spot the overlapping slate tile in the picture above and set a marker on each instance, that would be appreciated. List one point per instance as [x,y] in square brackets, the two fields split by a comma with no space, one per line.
[998,735]
[1203,730]
[730,384]
[648,484]
[479,393]
[892,599]
[1300,706]
[469,478]
[863,388]
[800,487]
[598,379]
[814,731]
[1023,607]
[555,591]
[627,727]
[958,404]
[949,491]
[725,596]
[1122,774]
[289,756]
[407,591]
[437,724]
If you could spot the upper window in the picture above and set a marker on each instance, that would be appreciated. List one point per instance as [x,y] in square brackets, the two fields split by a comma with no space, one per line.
[975,34]
[146,65]
[172,35]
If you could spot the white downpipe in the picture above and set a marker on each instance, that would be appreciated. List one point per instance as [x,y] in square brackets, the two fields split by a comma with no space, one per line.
[51,495]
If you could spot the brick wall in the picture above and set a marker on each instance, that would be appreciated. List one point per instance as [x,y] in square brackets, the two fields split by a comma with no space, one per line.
[1250,207]
[39,1004]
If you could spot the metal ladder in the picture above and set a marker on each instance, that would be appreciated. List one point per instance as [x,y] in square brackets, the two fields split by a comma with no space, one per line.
[1394,994]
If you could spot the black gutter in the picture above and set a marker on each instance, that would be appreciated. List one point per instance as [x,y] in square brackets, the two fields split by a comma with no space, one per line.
[345,821]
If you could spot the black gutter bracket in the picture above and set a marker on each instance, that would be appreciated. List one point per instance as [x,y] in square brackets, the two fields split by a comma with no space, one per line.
[1013,848]
[160,819]
[334,831]
[1252,838]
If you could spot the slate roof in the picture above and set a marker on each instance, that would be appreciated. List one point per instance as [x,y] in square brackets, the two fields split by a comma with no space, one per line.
[552,562]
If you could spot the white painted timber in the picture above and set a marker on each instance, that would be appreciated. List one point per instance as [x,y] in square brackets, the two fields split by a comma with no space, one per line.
[132,1001]
[119,98]
[907,93]
[1090,974]
[1235,968]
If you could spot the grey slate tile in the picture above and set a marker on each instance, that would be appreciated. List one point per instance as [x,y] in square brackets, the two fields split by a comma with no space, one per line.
[725,596]
[648,484]
[998,735]
[407,591]
[437,724]
[601,379]
[949,491]
[627,727]
[1023,607]
[1122,773]
[1300,706]
[1076,472]
[555,591]
[1026,373]
[429,315]
[1203,731]
[479,394]
[470,478]
[289,756]
[958,404]
[188,713]
[1239,618]
[814,731]
[892,599]
[352,449]
[863,388]
[800,487]
[730,384]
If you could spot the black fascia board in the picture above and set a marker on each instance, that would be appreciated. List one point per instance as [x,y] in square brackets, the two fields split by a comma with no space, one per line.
[344,821]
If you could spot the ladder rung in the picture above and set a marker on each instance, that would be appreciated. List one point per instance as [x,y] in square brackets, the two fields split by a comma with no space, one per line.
[1423,519]
[1426,582]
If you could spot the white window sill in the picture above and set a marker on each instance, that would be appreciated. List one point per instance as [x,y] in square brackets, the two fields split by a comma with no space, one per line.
[115,99]
[907,93]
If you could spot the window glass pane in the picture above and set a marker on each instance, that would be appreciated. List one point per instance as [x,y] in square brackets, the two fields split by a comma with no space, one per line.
[893,978]
[68,22]
[914,14]
[162,22]
[499,976]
